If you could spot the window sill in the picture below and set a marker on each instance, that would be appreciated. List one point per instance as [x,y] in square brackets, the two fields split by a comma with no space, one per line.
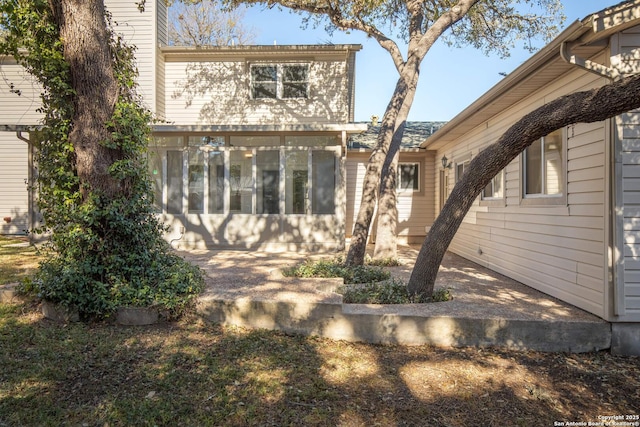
[544,201]
[496,203]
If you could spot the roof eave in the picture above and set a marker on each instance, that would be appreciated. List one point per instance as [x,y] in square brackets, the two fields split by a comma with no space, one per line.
[520,74]
[329,127]
[595,27]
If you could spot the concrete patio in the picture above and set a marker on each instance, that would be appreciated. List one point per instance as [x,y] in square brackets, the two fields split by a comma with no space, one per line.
[246,288]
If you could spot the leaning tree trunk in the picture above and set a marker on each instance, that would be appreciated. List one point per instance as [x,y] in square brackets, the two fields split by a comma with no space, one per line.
[370,186]
[581,107]
[386,246]
[387,146]
[86,49]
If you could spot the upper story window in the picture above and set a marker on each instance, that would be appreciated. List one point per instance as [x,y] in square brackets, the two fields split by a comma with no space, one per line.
[295,81]
[264,81]
[544,167]
[282,81]
[409,177]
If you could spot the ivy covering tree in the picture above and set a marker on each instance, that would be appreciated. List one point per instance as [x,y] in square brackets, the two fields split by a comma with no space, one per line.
[94,192]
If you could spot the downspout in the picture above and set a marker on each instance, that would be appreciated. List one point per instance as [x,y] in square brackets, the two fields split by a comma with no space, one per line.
[28,182]
[587,65]
[22,138]
[612,241]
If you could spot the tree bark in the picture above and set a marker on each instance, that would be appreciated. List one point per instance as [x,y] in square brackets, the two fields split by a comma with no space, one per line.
[371,183]
[387,147]
[86,49]
[386,246]
[581,107]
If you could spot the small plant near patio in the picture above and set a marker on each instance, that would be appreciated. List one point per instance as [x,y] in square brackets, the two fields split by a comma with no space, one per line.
[364,284]
[336,268]
[393,291]
[382,262]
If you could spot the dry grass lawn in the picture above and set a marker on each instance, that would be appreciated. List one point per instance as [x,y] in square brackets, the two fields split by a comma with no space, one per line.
[193,373]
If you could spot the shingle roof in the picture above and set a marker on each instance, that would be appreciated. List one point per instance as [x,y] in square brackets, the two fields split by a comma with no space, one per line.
[414,134]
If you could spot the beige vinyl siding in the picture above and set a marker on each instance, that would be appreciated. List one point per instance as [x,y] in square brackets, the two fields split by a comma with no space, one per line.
[415,210]
[14,202]
[160,87]
[627,55]
[139,29]
[20,102]
[205,92]
[559,250]
[162,40]
[356,169]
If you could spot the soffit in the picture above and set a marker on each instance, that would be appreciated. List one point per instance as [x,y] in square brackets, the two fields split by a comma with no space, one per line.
[258,52]
[277,128]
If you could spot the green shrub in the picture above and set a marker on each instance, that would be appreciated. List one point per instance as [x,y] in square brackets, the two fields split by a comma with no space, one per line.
[382,262]
[393,291]
[336,268]
[364,284]
[106,247]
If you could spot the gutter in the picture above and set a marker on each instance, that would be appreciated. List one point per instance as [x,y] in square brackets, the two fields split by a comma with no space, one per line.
[544,55]
[587,65]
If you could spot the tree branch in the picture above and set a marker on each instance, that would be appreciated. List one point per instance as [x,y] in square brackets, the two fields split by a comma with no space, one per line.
[581,107]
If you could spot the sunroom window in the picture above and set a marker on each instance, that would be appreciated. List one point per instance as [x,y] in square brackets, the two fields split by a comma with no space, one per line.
[245,174]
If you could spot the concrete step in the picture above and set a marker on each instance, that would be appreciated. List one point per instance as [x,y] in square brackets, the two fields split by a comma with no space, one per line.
[414,324]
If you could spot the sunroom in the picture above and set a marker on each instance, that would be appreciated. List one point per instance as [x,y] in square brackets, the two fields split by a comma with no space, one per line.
[274,190]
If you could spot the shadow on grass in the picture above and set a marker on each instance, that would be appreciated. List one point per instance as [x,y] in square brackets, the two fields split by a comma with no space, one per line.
[194,373]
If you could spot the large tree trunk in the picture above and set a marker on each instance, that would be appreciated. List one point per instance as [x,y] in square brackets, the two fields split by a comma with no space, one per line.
[387,147]
[582,107]
[386,246]
[371,183]
[86,49]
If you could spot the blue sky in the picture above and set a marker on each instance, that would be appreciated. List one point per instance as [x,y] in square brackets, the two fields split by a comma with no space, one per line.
[450,79]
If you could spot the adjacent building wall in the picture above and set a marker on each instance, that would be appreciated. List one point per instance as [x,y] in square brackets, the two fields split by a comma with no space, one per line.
[20,95]
[415,209]
[560,249]
[626,54]
[14,196]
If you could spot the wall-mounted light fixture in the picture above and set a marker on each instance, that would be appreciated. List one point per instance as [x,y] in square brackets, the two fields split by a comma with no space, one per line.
[445,163]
